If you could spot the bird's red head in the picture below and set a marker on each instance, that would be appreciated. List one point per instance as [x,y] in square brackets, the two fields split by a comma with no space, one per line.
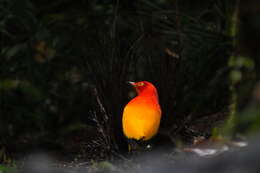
[144,88]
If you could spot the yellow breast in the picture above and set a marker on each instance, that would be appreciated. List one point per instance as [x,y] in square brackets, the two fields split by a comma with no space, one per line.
[141,121]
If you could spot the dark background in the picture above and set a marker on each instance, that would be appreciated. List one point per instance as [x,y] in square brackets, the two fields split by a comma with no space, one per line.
[64,66]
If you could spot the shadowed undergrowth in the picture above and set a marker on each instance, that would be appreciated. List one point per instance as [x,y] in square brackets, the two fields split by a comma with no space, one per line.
[64,67]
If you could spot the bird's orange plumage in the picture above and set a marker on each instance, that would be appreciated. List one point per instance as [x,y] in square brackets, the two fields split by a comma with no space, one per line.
[142,115]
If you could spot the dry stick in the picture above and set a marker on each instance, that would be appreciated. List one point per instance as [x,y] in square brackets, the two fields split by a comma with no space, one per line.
[102,108]
[100,126]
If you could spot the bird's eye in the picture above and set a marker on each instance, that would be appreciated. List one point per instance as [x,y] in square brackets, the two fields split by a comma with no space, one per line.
[140,84]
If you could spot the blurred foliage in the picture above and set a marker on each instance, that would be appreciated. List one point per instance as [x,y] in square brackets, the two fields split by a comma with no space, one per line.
[5,169]
[243,63]
[64,64]
[247,66]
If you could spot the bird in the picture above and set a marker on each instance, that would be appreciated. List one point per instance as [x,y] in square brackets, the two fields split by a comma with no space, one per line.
[142,115]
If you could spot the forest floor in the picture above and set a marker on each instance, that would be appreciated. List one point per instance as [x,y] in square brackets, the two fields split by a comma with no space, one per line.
[77,155]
